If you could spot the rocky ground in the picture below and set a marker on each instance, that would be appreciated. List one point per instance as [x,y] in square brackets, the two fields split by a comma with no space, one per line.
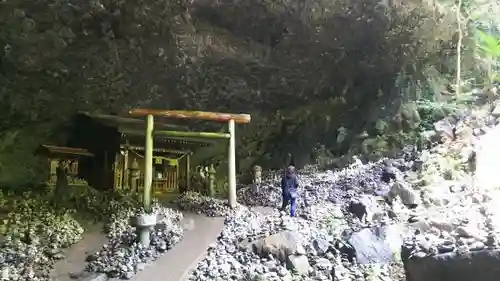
[346,231]
[313,246]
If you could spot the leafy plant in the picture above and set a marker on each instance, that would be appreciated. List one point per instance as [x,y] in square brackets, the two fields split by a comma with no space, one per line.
[489,45]
[7,140]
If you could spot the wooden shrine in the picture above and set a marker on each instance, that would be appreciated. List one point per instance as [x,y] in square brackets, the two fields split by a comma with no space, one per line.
[126,153]
[118,162]
[63,156]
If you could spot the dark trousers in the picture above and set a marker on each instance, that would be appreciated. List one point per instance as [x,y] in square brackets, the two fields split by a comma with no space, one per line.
[292,200]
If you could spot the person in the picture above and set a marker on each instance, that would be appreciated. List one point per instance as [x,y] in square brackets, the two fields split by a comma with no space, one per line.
[289,188]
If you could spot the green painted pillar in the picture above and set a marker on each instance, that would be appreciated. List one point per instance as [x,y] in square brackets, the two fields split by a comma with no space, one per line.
[148,164]
[188,172]
[232,165]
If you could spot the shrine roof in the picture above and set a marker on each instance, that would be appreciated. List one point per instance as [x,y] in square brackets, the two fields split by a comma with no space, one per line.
[71,151]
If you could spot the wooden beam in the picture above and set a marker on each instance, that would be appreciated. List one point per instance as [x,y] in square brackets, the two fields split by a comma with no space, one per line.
[193,140]
[188,139]
[162,150]
[232,165]
[120,121]
[208,135]
[197,115]
[142,127]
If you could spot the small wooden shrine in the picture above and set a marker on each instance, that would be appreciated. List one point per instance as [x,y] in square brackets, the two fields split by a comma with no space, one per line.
[67,156]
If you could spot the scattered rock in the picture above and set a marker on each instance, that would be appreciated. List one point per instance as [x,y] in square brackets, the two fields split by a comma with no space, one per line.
[298,263]
[279,245]
[94,277]
[196,203]
[123,256]
[379,244]
[322,246]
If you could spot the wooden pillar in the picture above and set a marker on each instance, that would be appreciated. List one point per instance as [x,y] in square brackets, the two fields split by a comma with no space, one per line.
[176,179]
[232,165]
[105,181]
[117,178]
[211,181]
[188,172]
[135,174]
[148,164]
[125,184]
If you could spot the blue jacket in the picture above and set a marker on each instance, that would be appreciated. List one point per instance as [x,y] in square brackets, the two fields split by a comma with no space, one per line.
[289,185]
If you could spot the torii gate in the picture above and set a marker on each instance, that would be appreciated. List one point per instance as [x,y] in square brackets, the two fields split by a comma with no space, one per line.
[231,119]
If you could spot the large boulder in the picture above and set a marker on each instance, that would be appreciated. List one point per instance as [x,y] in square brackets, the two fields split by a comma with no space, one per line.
[280,245]
[366,207]
[445,128]
[478,266]
[380,244]
[298,263]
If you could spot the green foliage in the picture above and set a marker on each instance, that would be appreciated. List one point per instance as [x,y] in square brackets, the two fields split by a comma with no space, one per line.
[432,112]
[324,158]
[6,143]
[19,167]
[489,45]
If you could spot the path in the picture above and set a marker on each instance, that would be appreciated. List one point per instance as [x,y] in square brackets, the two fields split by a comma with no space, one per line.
[74,263]
[177,263]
